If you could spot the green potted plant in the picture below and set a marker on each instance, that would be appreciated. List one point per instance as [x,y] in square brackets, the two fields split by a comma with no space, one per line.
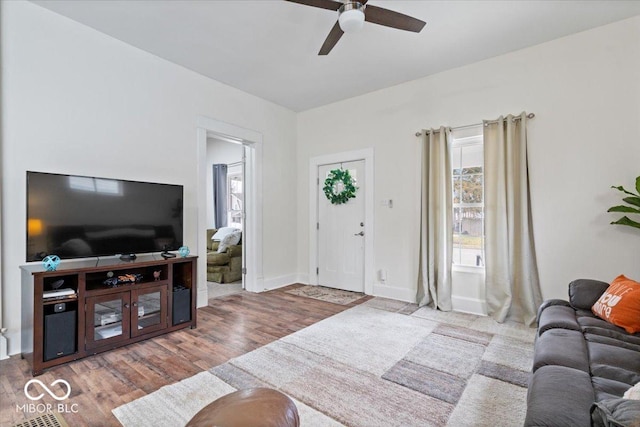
[632,206]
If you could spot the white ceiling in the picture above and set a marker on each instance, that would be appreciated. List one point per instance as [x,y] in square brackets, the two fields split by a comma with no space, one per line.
[269,47]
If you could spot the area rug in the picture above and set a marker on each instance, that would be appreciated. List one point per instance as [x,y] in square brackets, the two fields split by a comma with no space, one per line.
[336,296]
[367,366]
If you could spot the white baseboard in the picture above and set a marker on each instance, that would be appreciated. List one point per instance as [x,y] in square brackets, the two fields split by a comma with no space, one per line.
[280,281]
[392,292]
[303,278]
[469,305]
[202,299]
[3,348]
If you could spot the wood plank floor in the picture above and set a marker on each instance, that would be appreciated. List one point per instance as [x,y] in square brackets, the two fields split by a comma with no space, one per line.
[229,327]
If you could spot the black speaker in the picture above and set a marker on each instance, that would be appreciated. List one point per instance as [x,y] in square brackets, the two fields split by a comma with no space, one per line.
[59,334]
[181,305]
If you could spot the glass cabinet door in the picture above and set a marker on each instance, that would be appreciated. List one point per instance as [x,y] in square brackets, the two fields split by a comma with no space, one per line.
[149,310]
[108,319]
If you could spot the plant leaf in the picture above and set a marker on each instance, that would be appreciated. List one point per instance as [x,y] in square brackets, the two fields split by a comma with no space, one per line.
[626,209]
[626,221]
[638,184]
[621,188]
[632,200]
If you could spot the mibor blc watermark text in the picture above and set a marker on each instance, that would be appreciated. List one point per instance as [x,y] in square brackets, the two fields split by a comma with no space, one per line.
[46,407]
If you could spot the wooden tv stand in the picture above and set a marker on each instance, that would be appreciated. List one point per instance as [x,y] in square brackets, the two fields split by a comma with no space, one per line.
[96,316]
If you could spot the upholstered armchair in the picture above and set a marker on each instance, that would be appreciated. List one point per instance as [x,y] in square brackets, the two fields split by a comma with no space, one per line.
[223,267]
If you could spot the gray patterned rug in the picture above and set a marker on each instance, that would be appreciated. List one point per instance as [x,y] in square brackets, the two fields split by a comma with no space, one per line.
[336,296]
[369,366]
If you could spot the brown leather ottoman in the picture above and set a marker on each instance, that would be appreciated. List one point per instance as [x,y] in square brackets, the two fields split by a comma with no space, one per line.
[254,407]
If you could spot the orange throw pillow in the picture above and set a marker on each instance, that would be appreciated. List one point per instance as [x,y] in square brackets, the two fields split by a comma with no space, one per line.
[620,304]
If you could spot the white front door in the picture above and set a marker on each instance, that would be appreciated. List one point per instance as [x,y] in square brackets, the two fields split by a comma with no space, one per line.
[341,232]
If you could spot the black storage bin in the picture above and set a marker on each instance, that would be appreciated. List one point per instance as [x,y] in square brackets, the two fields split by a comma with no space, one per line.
[59,334]
[181,311]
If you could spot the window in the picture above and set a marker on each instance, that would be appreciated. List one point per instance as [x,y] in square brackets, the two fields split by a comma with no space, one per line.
[235,204]
[467,170]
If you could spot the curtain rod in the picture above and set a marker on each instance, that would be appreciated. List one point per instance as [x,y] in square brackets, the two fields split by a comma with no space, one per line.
[485,123]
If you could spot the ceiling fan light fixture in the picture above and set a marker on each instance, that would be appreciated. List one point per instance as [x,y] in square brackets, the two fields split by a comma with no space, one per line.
[351,17]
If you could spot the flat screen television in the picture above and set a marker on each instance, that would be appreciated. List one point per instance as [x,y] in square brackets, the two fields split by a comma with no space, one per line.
[80,216]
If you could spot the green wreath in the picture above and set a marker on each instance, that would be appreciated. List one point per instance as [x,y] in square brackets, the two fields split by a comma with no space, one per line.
[339,187]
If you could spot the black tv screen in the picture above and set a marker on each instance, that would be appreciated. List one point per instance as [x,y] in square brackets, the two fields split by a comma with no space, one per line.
[79,216]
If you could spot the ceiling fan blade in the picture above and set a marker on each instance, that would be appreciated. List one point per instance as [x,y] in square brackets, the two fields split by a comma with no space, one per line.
[389,18]
[331,40]
[322,4]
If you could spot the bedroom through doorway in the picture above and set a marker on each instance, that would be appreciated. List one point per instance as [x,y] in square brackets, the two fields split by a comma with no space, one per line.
[225,216]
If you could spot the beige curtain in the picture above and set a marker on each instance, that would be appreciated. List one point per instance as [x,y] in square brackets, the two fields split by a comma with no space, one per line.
[436,238]
[512,285]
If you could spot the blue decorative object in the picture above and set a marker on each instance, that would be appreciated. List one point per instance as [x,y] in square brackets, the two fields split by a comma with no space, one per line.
[184,251]
[51,262]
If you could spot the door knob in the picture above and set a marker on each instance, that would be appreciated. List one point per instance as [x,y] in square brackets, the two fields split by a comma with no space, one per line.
[359,234]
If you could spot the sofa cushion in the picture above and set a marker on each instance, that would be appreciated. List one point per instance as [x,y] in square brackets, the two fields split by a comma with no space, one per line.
[615,373]
[214,258]
[583,293]
[619,335]
[616,412]
[595,323]
[605,388]
[210,233]
[557,316]
[614,356]
[234,251]
[611,341]
[613,362]
[549,303]
[561,347]
[620,304]
[559,396]
[585,313]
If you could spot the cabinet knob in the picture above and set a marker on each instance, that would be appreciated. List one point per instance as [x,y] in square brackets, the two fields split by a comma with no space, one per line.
[135,304]
[126,305]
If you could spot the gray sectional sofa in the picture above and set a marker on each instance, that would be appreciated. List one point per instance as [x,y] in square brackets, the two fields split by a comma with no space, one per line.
[582,365]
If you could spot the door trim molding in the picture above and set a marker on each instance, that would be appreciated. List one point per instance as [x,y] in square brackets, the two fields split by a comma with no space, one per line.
[366,154]
[253,191]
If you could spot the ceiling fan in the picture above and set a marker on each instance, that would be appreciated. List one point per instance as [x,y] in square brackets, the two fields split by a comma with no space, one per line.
[352,15]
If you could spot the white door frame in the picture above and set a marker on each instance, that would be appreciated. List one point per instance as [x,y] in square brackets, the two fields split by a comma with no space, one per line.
[253,192]
[347,156]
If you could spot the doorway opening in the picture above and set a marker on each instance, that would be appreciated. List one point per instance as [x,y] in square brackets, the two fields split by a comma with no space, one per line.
[249,219]
[225,216]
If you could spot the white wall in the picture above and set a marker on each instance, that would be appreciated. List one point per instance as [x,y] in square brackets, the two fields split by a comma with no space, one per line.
[218,151]
[77,101]
[585,92]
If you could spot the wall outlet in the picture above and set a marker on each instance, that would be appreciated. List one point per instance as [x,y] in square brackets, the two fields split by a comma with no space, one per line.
[382,275]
